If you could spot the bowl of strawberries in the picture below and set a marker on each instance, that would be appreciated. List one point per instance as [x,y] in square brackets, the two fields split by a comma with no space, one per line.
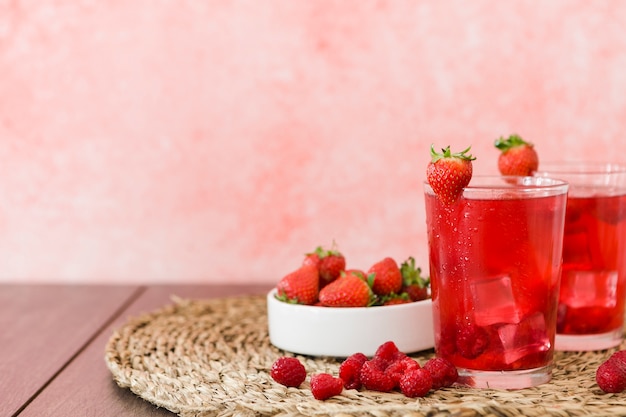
[323,308]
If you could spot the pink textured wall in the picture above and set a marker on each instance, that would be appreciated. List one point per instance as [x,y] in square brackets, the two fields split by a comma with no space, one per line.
[220,140]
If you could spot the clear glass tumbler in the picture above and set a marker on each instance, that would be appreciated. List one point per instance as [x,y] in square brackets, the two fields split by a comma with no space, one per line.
[593,284]
[495,264]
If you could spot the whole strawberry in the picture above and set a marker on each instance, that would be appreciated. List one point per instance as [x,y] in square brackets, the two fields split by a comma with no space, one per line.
[413,283]
[517,156]
[449,173]
[300,286]
[330,264]
[386,275]
[349,290]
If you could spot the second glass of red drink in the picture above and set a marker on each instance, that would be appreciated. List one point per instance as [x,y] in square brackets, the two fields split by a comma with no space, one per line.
[593,284]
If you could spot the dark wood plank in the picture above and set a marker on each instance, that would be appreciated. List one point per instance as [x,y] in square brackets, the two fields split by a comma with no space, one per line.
[42,327]
[86,387]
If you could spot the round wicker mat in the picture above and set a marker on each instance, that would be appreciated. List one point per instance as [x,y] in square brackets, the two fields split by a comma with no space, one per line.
[200,358]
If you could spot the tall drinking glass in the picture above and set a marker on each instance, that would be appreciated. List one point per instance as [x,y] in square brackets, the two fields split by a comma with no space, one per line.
[593,284]
[495,263]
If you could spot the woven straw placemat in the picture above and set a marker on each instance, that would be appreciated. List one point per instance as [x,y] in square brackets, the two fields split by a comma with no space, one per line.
[200,358]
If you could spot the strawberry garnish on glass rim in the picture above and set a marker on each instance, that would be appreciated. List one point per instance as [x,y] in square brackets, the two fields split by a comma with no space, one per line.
[449,173]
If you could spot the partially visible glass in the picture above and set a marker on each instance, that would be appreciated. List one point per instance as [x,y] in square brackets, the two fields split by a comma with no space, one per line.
[593,284]
[495,263]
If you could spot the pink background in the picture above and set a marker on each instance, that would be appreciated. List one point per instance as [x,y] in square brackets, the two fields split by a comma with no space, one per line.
[197,141]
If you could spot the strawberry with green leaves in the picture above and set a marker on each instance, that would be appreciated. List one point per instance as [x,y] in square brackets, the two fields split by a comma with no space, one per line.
[386,275]
[329,262]
[413,283]
[517,157]
[349,290]
[449,173]
[300,286]
[395,299]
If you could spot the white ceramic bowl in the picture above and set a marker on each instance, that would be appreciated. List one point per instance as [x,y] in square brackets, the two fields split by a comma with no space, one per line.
[340,332]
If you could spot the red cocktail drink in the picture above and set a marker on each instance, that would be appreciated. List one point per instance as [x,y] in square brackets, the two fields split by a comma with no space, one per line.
[593,284]
[495,263]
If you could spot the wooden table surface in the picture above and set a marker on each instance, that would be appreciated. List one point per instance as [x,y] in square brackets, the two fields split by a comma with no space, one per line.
[52,340]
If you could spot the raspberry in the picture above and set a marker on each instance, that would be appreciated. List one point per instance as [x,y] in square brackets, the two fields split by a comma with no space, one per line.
[399,367]
[446,345]
[442,371]
[324,386]
[399,356]
[620,355]
[611,374]
[350,370]
[288,371]
[373,376]
[416,383]
[387,352]
[472,341]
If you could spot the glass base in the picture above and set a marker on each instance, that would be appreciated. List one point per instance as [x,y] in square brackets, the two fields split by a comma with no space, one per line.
[504,379]
[586,342]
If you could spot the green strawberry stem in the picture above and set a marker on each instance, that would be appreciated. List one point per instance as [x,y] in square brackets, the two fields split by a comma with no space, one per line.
[322,252]
[393,296]
[446,153]
[374,299]
[510,142]
[413,275]
[281,296]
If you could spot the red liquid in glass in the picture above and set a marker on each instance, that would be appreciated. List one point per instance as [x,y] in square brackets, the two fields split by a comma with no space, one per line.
[494,267]
[594,276]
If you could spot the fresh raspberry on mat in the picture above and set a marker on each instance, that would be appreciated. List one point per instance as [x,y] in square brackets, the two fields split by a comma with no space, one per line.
[611,374]
[399,367]
[416,383]
[442,371]
[388,352]
[620,355]
[350,370]
[373,376]
[324,386]
[288,371]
